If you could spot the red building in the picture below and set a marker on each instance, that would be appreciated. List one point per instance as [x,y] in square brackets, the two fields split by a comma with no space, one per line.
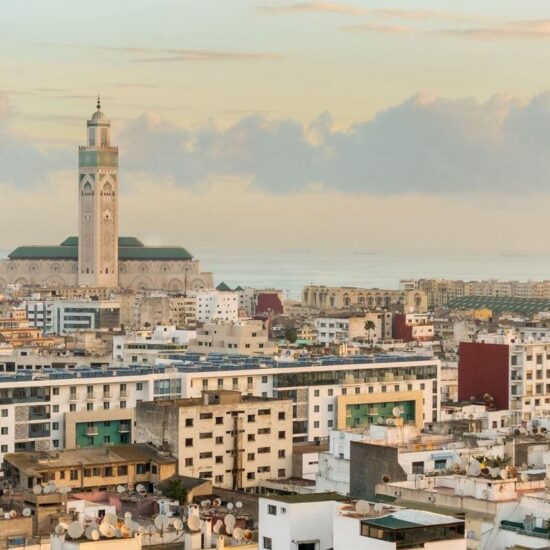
[484,369]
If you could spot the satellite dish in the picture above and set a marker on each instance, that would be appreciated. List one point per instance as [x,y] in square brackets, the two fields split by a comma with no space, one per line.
[6,515]
[52,487]
[120,489]
[125,532]
[216,502]
[75,530]
[397,412]
[474,469]
[111,519]
[238,534]
[524,477]
[59,529]
[390,421]
[217,526]
[13,514]
[162,522]
[27,512]
[247,534]
[230,506]
[238,504]
[118,533]
[64,489]
[178,524]
[141,530]
[229,529]
[140,488]
[127,515]
[362,507]
[107,530]
[229,520]
[380,420]
[504,473]
[378,507]
[37,489]
[194,523]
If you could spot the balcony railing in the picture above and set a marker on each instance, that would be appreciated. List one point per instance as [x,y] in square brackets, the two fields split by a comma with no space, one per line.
[90,431]
[124,428]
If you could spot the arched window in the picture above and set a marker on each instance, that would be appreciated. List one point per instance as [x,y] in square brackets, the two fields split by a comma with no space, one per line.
[87,190]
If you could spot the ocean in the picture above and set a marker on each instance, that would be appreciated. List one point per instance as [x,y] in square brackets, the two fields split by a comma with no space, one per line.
[291,270]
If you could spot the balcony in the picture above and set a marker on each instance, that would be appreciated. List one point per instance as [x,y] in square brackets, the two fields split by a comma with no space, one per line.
[107,395]
[73,397]
[123,428]
[123,393]
[91,431]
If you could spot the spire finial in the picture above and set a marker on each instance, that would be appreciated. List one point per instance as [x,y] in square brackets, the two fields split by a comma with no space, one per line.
[98,102]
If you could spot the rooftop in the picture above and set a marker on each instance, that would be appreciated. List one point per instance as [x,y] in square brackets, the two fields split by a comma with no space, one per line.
[307,498]
[498,304]
[129,248]
[408,518]
[68,458]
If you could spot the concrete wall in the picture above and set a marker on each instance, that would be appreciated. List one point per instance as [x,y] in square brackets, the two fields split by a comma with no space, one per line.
[369,464]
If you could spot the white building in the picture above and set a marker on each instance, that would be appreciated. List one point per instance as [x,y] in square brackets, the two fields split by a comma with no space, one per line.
[217,305]
[324,520]
[72,315]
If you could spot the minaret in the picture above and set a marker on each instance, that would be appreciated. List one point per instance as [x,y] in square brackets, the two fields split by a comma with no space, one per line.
[98,205]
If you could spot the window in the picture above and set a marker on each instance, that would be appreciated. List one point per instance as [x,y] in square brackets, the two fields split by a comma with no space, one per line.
[316,408]
[440,463]
[62,474]
[219,460]
[330,423]
[264,412]
[109,471]
[189,442]
[251,437]
[330,392]
[316,424]
[4,430]
[106,405]
[266,543]
[219,479]
[282,434]
[154,468]
[72,407]
[316,393]
[139,386]
[250,456]
[271,510]
[206,416]
[281,415]
[188,422]
[263,431]
[74,475]
[251,418]
[207,454]
[89,406]
[205,435]
[106,439]
[96,472]
[264,450]
[418,467]
[55,408]
[264,379]
[189,462]
[219,419]
[281,472]
[219,440]
[55,391]
[123,404]
[282,453]
[87,472]
[55,425]
[142,468]
[4,413]
[122,470]
[4,449]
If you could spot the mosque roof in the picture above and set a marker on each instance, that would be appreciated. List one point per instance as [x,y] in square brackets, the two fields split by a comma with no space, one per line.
[129,248]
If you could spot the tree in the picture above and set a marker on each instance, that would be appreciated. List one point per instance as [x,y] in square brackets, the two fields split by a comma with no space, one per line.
[369,327]
[175,489]
[291,335]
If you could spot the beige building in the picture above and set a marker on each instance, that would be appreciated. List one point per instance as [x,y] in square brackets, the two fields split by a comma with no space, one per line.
[326,298]
[233,440]
[99,257]
[248,337]
[87,469]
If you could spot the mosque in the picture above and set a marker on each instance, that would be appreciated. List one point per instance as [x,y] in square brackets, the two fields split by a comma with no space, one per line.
[98,257]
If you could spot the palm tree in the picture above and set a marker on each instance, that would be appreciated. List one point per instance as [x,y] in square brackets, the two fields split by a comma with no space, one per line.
[369,327]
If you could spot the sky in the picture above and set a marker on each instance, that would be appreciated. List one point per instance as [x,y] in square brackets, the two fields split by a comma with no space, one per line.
[268,125]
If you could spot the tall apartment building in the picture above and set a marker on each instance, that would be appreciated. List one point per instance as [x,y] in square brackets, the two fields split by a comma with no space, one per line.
[64,407]
[231,439]
[514,373]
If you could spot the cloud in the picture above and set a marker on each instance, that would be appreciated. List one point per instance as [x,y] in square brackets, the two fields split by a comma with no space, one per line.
[355,11]
[537,29]
[423,145]
[163,55]
[22,162]
[377,28]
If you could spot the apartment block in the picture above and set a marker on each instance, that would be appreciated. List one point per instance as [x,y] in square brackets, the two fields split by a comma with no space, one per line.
[231,439]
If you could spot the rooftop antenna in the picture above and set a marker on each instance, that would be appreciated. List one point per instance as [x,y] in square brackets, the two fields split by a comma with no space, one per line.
[98,102]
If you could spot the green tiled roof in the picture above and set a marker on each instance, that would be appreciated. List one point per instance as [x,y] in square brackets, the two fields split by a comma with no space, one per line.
[307,497]
[129,248]
[390,522]
[499,304]
[223,287]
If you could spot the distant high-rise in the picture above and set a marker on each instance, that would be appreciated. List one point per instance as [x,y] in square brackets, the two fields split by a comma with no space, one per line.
[98,205]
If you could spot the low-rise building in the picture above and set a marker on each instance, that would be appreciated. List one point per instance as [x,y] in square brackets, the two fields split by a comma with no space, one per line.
[245,337]
[87,469]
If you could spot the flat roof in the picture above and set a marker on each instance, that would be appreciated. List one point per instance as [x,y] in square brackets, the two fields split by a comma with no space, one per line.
[38,461]
[498,304]
[410,518]
[308,497]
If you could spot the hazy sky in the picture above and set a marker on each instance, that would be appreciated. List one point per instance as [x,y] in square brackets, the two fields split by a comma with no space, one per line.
[271,124]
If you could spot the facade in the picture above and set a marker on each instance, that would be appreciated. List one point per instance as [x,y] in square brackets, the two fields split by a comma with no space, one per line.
[336,330]
[241,337]
[217,305]
[89,469]
[98,257]
[233,440]
[411,327]
[514,374]
[38,406]
[327,298]
[69,316]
